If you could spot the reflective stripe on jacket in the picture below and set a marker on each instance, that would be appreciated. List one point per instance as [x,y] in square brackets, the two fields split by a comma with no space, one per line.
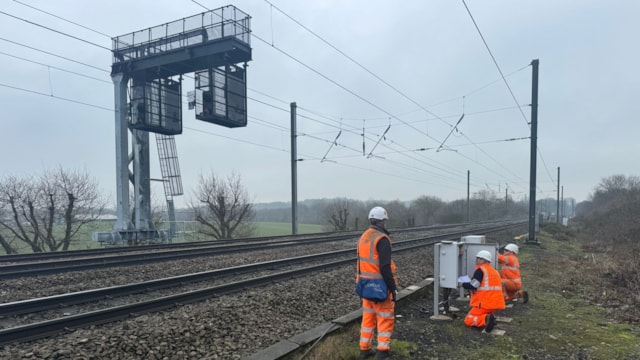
[489,294]
[510,267]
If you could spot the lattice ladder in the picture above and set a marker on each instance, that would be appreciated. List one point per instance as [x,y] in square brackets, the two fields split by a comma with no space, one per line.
[171,179]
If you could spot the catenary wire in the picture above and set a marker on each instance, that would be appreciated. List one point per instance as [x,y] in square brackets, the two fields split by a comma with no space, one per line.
[56,31]
[307,157]
[74,37]
[496,63]
[505,81]
[55,67]
[94,44]
[369,102]
[386,83]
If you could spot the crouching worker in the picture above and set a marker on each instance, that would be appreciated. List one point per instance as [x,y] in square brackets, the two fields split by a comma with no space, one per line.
[510,273]
[486,293]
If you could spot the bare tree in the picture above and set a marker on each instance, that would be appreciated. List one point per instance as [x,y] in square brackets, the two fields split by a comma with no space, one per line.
[47,212]
[6,246]
[618,183]
[483,204]
[9,190]
[425,208]
[337,214]
[223,207]
[453,212]
[398,214]
[613,191]
[4,242]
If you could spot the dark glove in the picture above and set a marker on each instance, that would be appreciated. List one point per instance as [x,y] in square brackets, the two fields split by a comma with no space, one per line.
[394,295]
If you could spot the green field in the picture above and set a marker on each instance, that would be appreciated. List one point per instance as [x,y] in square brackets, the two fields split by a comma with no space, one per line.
[83,238]
[273,228]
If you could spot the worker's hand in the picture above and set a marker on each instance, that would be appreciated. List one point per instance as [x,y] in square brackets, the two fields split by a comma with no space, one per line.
[394,295]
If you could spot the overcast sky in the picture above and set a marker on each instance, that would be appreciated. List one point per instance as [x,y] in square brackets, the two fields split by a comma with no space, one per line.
[414,67]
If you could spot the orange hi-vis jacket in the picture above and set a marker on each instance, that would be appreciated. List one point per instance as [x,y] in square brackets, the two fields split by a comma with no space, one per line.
[510,267]
[368,258]
[489,294]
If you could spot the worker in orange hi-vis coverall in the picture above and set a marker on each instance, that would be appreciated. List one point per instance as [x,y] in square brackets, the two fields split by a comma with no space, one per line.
[510,273]
[374,262]
[486,293]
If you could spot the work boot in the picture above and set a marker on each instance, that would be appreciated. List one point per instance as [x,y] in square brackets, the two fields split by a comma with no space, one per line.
[365,354]
[523,295]
[382,355]
[490,323]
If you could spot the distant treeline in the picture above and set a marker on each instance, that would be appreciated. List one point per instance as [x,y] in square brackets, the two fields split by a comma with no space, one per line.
[424,210]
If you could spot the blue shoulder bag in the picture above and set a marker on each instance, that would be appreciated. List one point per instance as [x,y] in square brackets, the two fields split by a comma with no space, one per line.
[371,289]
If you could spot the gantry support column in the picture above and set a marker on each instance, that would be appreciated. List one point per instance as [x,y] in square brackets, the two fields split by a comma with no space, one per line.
[142,180]
[123,222]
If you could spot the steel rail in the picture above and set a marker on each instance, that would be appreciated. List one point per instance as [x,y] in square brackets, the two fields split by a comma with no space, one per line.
[14,258]
[54,267]
[51,327]
[79,297]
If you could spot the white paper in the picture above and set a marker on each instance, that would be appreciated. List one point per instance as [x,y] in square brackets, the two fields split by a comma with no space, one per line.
[464,279]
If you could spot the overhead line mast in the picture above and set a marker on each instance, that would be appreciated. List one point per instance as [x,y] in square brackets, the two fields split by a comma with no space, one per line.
[534,143]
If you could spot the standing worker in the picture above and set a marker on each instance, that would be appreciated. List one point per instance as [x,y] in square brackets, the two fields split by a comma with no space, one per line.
[510,273]
[374,262]
[486,293]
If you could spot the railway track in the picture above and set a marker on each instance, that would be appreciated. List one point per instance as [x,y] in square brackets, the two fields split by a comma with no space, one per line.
[119,250]
[231,243]
[97,262]
[15,266]
[326,261]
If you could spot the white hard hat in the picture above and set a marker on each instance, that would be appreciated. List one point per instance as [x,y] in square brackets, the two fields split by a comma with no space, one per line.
[378,213]
[484,254]
[512,247]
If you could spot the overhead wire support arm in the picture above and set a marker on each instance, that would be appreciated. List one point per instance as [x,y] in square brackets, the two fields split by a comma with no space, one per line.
[455,127]
[335,142]
[378,142]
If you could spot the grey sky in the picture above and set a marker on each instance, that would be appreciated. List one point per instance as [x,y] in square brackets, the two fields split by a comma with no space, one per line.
[428,50]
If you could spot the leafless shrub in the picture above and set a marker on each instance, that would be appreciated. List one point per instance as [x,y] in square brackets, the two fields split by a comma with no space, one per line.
[223,208]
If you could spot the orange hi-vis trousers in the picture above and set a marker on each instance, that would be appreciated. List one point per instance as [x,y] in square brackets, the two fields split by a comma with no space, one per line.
[477,317]
[510,288]
[382,314]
